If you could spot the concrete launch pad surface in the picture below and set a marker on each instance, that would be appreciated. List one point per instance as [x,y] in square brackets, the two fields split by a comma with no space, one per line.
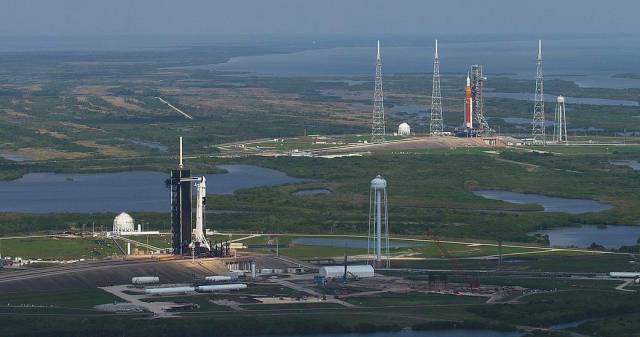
[106,273]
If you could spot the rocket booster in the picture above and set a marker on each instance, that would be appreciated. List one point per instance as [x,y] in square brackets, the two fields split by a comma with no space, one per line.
[468,111]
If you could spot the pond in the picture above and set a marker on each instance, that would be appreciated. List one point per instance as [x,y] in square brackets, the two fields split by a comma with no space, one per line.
[15,157]
[120,191]
[550,204]
[609,237]
[311,191]
[634,164]
[349,243]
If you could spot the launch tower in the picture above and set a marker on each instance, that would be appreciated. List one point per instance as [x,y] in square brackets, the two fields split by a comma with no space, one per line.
[181,230]
[477,87]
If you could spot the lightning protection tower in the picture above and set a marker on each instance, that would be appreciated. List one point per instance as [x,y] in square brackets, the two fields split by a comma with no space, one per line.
[477,87]
[378,235]
[377,128]
[560,126]
[436,123]
[537,133]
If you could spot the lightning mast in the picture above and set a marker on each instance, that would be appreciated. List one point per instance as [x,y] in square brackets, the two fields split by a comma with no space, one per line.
[436,122]
[377,128]
[538,108]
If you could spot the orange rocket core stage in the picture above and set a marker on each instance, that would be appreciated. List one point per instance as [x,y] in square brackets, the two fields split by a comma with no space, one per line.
[468,118]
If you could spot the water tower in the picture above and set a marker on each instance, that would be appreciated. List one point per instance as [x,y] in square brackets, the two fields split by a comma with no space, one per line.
[377,236]
[560,126]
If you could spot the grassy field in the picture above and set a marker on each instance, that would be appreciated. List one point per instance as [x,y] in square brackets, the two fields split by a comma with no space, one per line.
[59,248]
[71,299]
[413,298]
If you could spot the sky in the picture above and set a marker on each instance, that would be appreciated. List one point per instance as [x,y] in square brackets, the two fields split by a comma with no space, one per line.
[314,17]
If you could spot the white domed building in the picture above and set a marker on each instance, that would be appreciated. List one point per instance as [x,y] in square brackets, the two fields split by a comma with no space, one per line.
[404,129]
[123,223]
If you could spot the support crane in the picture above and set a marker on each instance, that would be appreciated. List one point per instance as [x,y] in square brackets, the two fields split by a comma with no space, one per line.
[472,281]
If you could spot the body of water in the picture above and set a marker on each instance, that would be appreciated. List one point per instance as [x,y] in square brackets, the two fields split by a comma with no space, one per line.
[15,157]
[120,191]
[344,242]
[151,145]
[609,237]
[312,191]
[425,333]
[595,59]
[521,96]
[634,164]
[550,204]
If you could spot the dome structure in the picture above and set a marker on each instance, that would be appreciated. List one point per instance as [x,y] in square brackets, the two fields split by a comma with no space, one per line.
[378,183]
[123,223]
[404,129]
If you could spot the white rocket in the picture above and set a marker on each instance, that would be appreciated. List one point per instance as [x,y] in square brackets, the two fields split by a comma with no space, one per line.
[201,201]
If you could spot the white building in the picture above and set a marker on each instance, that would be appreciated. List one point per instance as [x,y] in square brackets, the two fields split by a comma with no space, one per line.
[360,271]
[123,223]
[404,129]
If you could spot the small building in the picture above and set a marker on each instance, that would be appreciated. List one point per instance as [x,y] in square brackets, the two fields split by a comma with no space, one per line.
[359,271]
[404,129]
[122,223]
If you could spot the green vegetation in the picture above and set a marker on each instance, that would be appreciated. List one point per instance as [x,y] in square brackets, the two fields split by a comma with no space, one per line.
[58,248]
[566,306]
[619,326]
[71,299]
[413,298]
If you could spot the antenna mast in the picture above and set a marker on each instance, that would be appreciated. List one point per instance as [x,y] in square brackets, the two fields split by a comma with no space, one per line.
[436,123]
[180,165]
[378,128]
[538,108]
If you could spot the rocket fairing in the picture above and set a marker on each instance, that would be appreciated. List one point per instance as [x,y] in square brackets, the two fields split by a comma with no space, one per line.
[468,110]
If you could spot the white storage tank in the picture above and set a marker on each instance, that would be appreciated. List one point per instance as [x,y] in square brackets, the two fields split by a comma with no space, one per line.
[221,287]
[404,129]
[123,223]
[360,271]
[145,280]
[218,278]
[171,290]
[624,274]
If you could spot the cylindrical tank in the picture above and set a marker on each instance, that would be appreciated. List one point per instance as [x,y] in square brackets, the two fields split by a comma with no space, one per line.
[217,278]
[145,280]
[219,287]
[623,274]
[171,290]
[378,183]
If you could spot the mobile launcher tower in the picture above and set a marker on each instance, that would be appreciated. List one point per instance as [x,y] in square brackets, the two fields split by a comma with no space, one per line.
[185,238]
[475,123]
